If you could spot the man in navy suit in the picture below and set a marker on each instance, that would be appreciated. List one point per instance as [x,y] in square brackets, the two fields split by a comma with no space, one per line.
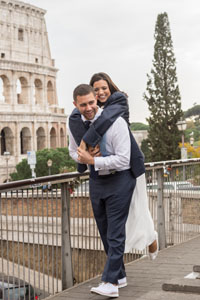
[111,187]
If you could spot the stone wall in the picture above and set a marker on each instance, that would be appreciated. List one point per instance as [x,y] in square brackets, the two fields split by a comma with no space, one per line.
[140,135]
[191,210]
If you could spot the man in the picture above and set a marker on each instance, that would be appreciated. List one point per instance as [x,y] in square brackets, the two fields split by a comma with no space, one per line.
[111,187]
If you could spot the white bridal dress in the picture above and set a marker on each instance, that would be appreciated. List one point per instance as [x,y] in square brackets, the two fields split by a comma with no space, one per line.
[140,231]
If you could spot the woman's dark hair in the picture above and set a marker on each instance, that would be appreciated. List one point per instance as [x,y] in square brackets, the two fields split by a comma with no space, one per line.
[103,76]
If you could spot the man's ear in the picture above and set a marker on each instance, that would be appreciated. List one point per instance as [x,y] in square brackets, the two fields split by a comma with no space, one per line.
[75,103]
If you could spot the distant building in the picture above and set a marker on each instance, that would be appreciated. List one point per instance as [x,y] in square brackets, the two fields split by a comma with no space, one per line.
[140,135]
[30,118]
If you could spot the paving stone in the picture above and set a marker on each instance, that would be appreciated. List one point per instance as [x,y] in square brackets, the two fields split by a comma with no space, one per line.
[196,269]
[145,278]
[167,296]
[183,286]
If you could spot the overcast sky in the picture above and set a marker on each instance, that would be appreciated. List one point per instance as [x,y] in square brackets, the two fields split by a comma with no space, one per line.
[117,37]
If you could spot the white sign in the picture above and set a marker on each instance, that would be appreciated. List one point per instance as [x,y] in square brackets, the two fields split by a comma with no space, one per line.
[31,157]
[183,153]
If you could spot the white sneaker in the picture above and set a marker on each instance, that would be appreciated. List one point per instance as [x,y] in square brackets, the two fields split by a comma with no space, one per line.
[106,289]
[153,255]
[122,282]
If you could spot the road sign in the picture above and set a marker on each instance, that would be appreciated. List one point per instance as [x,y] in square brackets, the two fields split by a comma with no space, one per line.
[183,153]
[31,157]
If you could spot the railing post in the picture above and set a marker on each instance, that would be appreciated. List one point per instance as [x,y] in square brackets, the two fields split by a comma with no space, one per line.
[171,219]
[160,211]
[67,271]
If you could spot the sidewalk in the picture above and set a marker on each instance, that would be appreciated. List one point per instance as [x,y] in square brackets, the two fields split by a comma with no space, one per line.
[145,278]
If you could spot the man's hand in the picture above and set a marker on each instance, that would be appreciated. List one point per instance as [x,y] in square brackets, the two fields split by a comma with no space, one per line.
[84,157]
[94,151]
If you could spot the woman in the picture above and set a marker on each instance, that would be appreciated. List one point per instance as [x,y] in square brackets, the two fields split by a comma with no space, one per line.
[115,104]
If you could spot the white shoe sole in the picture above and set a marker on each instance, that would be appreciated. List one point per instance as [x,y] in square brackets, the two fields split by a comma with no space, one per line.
[121,285]
[113,295]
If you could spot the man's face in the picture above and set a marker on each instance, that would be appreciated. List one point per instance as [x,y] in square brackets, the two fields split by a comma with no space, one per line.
[87,105]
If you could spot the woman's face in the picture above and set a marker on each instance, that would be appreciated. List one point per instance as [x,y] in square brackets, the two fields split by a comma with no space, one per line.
[102,90]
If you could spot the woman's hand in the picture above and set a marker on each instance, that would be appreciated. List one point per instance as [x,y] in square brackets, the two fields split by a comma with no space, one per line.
[83,145]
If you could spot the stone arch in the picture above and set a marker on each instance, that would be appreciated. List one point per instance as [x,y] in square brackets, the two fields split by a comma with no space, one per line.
[22,90]
[50,93]
[4,89]
[62,138]
[53,138]
[38,91]
[25,140]
[41,138]
[7,141]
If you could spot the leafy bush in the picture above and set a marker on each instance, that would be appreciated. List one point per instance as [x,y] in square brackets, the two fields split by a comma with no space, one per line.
[61,160]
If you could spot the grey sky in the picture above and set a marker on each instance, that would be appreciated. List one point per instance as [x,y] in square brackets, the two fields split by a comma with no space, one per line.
[116,37]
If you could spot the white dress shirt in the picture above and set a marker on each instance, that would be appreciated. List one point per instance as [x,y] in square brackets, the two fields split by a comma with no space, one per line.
[117,144]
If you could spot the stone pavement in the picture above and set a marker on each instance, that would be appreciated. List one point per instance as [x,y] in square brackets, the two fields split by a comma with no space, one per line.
[146,278]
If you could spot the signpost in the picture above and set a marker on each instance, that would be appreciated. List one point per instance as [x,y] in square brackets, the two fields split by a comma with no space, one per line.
[32,161]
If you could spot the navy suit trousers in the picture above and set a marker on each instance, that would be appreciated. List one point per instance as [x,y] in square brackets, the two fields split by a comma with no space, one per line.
[111,196]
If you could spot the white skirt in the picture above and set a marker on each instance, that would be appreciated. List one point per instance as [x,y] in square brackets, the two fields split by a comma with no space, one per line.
[139,226]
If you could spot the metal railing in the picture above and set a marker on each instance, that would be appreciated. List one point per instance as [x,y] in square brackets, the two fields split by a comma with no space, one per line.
[174,192]
[49,238]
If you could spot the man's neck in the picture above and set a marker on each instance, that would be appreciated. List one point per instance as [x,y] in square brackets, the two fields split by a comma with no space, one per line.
[98,113]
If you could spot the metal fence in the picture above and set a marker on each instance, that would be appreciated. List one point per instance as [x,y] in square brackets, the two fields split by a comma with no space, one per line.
[49,239]
[174,192]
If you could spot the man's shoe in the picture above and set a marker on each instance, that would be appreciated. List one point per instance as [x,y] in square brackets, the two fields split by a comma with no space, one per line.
[153,255]
[106,289]
[122,282]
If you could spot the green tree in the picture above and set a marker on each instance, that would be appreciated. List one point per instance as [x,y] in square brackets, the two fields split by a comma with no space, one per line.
[194,124]
[138,126]
[61,160]
[163,96]
[192,130]
[194,111]
[146,150]
[23,171]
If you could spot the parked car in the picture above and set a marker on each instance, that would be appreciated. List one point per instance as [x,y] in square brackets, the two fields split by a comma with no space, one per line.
[173,186]
[12,288]
[82,189]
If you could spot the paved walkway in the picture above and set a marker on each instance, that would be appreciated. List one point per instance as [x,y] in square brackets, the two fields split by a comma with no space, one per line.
[145,278]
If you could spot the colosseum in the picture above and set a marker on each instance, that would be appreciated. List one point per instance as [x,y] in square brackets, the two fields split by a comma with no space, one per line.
[30,118]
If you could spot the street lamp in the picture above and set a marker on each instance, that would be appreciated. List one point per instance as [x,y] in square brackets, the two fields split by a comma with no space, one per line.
[49,164]
[182,125]
[7,157]
[191,138]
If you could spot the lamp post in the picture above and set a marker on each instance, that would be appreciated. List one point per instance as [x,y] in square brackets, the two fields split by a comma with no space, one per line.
[49,164]
[7,157]
[191,138]
[182,125]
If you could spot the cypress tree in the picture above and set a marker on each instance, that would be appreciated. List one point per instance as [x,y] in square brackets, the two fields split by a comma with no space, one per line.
[163,96]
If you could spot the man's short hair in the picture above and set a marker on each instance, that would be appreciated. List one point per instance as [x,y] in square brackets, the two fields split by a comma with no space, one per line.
[82,90]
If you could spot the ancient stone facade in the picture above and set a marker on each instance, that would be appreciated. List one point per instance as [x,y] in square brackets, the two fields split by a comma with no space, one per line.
[140,135]
[30,118]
